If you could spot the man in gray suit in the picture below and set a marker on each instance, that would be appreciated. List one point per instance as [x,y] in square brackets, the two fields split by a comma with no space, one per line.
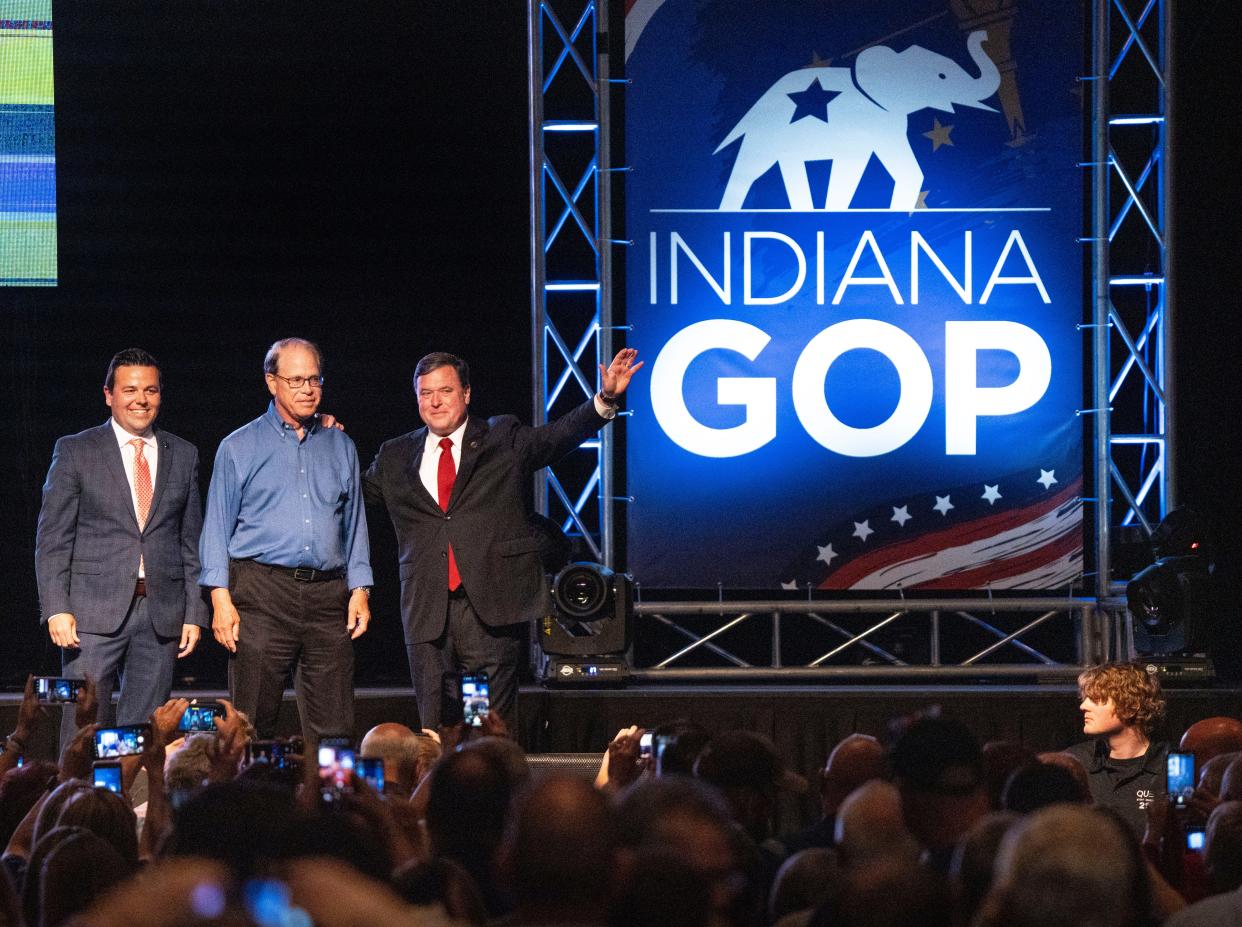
[116,555]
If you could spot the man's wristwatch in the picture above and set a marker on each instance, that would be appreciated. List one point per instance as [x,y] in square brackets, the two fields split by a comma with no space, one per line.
[363,589]
[612,401]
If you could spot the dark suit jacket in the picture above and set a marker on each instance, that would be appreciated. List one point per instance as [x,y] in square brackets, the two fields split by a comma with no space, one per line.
[88,542]
[486,522]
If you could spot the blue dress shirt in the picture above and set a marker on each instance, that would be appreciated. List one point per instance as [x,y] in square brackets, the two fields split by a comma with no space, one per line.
[285,502]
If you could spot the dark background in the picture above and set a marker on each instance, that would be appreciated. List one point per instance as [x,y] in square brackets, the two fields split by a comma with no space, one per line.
[357,173]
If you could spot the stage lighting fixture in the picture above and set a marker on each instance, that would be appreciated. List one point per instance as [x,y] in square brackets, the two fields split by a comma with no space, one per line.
[589,621]
[1173,601]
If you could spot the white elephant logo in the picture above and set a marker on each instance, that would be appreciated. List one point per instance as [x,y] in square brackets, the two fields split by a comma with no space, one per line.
[821,114]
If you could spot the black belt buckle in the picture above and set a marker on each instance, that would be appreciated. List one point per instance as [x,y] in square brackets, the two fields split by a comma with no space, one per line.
[304,574]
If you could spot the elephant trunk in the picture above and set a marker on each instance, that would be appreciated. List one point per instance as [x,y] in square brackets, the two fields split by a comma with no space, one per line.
[989,77]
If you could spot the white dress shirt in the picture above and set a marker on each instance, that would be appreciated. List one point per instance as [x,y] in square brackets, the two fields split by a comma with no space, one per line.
[150,451]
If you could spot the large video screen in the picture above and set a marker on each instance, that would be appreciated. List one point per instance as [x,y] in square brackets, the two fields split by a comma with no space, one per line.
[857,279]
[27,145]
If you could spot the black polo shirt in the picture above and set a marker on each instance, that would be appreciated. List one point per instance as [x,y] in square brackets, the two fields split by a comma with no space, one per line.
[1128,786]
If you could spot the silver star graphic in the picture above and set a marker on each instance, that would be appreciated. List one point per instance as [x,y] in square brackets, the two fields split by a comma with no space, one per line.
[991,493]
[826,554]
[901,515]
[791,585]
[943,505]
[863,530]
[1047,478]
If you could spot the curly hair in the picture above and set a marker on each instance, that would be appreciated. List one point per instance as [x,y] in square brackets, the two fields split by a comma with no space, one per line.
[1135,693]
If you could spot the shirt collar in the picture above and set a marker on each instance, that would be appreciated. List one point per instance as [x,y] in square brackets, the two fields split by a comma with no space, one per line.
[282,427]
[433,439]
[123,437]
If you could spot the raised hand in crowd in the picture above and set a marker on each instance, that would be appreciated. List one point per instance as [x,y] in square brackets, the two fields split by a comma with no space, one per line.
[87,709]
[28,715]
[623,762]
[230,744]
[75,762]
[493,725]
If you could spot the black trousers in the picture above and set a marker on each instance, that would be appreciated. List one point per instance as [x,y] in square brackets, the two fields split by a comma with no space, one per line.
[288,625]
[466,645]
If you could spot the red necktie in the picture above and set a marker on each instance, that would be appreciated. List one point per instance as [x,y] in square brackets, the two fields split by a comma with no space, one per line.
[142,489]
[446,475]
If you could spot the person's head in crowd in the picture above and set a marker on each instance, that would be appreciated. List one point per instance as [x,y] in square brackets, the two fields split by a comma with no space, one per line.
[973,861]
[805,881]
[1120,700]
[857,759]
[20,788]
[444,883]
[659,887]
[10,904]
[1000,759]
[1070,764]
[679,744]
[408,755]
[938,768]
[1038,785]
[39,852]
[508,753]
[341,830]
[870,824]
[690,819]
[1069,866]
[1210,737]
[1212,773]
[241,824]
[49,813]
[469,796]
[188,768]
[1231,780]
[889,893]
[560,852]
[107,815]
[1223,846]
[749,772]
[79,869]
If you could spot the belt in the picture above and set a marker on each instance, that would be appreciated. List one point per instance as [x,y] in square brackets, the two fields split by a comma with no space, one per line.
[140,587]
[304,574]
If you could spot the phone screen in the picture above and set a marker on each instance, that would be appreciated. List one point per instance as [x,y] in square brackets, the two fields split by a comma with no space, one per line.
[107,776]
[112,742]
[371,768]
[266,751]
[201,717]
[475,698]
[1195,839]
[644,744]
[56,690]
[1180,780]
[335,765]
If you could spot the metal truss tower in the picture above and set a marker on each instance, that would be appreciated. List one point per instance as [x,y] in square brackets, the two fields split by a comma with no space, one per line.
[571,270]
[1132,275]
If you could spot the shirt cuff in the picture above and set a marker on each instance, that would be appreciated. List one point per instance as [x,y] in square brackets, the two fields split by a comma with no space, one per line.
[359,576]
[603,409]
[214,579]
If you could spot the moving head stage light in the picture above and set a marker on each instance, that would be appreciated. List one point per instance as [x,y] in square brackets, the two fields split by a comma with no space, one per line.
[587,633]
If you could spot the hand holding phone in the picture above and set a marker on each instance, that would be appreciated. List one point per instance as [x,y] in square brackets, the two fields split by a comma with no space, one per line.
[200,716]
[113,742]
[54,690]
[475,692]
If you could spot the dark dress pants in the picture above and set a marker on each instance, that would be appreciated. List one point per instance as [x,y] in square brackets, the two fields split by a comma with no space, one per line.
[143,659]
[288,625]
[466,645]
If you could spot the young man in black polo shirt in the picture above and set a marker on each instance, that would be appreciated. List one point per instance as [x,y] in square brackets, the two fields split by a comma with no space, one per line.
[1121,704]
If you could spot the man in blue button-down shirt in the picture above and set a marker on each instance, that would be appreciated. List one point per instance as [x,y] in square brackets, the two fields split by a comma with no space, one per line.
[284,551]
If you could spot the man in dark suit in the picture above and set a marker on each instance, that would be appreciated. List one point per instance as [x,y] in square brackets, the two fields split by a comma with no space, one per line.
[116,555]
[456,492]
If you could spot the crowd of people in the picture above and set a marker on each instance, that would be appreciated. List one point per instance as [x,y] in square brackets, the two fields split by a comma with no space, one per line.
[925,826]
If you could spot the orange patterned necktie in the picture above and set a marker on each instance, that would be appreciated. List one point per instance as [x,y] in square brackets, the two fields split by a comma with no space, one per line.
[142,489]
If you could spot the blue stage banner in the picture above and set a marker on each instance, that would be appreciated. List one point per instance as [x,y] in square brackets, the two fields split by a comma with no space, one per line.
[857,280]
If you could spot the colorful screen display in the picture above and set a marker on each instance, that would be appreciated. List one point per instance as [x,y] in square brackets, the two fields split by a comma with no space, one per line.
[27,145]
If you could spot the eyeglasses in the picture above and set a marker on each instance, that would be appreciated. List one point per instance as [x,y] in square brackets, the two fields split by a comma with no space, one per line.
[299,382]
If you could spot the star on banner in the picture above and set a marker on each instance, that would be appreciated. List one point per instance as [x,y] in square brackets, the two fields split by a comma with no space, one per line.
[862,530]
[939,135]
[943,505]
[1047,478]
[826,554]
[790,586]
[991,493]
[813,101]
[901,515]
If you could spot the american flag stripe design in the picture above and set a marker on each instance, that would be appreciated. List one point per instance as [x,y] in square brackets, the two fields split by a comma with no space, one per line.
[1036,546]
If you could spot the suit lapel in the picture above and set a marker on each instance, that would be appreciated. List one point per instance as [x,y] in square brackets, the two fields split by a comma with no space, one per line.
[418,441]
[162,471]
[471,444]
[110,451]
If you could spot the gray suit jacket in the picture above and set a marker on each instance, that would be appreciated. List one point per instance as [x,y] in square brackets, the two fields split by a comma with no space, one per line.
[88,542]
[486,521]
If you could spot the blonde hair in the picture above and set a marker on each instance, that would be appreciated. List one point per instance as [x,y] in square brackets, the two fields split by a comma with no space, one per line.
[1134,692]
